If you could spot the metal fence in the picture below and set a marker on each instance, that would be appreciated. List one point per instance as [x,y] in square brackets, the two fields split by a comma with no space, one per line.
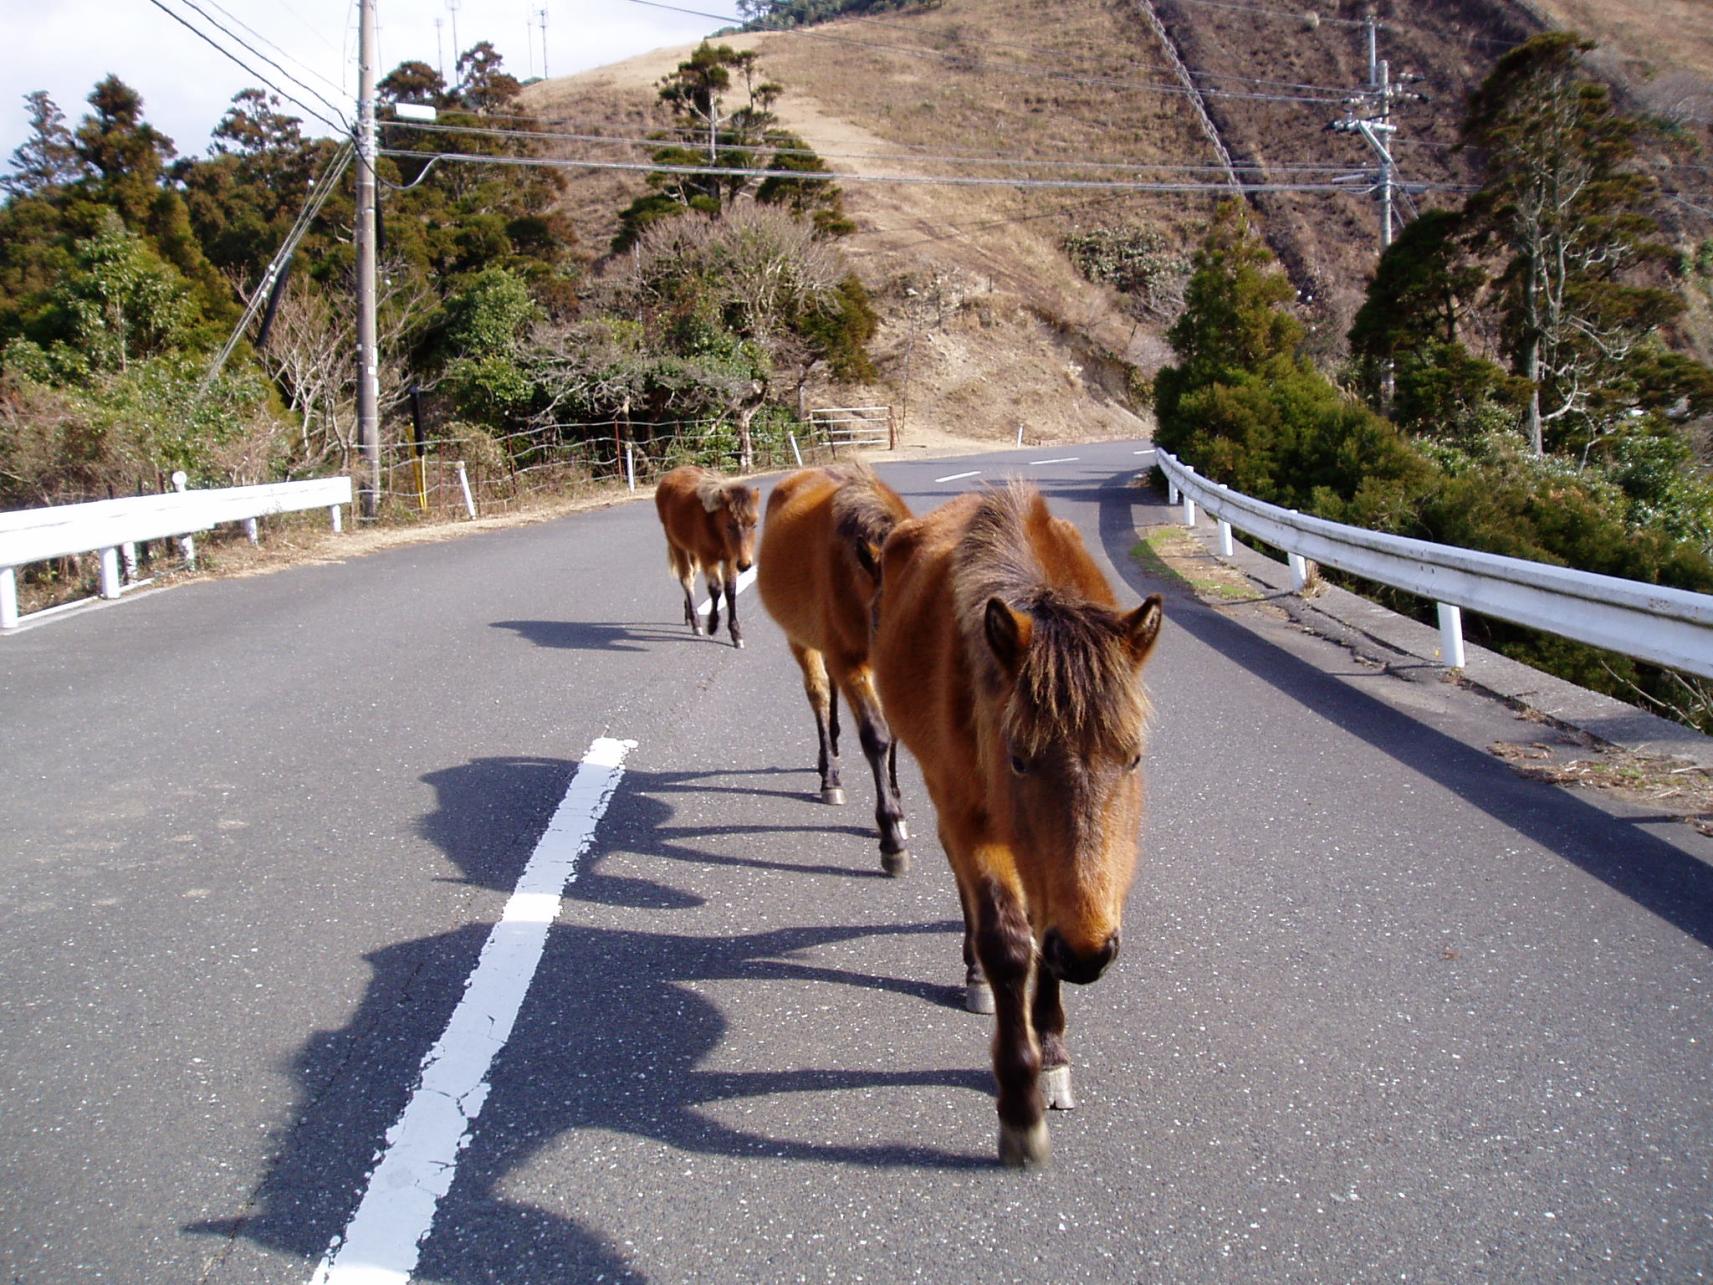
[854,426]
[1670,627]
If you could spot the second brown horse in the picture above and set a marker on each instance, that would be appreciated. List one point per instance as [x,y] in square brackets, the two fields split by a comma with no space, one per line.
[710,524]
[817,577]
[1010,673]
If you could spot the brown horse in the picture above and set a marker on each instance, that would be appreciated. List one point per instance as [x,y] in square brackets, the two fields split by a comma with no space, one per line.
[1012,676]
[819,567]
[710,524]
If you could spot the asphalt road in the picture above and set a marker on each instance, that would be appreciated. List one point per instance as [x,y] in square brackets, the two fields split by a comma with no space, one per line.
[1385,1010]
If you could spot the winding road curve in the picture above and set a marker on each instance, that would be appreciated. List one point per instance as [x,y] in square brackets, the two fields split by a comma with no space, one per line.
[1385,1009]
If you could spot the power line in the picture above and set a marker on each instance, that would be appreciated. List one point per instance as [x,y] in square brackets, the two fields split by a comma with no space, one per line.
[964,158]
[907,180]
[324,79]
[318,195]
[249,48]
[697,135]
[227,53]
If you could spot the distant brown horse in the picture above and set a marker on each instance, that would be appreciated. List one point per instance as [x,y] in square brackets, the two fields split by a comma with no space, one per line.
[819,551]
[710,524]
[1011,675]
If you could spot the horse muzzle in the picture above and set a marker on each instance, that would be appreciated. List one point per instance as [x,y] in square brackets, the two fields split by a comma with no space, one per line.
[744,564]
[1074,966]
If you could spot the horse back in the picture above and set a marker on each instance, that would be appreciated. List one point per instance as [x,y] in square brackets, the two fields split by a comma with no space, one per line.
[689,525]
[811,572]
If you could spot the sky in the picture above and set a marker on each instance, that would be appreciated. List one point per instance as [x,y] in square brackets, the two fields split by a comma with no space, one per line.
[66,46]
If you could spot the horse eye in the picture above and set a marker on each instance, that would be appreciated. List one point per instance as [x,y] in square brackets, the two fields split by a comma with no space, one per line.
[1019,764]
[1134,763]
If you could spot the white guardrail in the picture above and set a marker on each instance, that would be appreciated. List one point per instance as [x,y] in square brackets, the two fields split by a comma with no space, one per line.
[1670,627]
[114,527]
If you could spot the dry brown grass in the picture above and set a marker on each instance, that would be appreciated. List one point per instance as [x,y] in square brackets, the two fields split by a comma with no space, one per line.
[1681,791]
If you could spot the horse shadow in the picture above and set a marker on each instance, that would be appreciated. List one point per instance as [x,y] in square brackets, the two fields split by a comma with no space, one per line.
[1662,877]
[613,1037]
[592,635]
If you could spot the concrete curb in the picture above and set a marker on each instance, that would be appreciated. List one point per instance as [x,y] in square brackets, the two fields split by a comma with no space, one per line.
[1411,650]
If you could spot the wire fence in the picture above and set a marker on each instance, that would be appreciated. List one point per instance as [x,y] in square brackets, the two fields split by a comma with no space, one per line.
[456,478]
[475,476]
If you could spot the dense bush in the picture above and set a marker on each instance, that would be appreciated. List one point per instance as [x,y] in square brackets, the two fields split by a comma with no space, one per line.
[1245,408]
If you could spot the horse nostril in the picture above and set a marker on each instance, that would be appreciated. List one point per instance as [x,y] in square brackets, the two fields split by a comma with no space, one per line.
[745,565]
[1074,966]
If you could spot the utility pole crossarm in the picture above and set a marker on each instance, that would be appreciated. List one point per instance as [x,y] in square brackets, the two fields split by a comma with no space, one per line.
[1368,112]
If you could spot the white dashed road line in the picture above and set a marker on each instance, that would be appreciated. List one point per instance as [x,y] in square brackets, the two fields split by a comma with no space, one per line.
[745,580]
[382,1241]
[957,477]
[1063,459]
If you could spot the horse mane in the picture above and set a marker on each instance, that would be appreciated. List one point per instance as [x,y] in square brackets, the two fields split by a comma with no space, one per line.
[864,511]
[715,494]
[1077,681]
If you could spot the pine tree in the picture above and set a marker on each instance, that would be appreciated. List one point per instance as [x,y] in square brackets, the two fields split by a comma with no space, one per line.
[48,159]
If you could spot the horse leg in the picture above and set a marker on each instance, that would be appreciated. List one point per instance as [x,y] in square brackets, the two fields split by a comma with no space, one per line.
[978,995]
[877,741]
[732,609]
[1007,951]
[714,590]
[1049,1020]
[824,701]
[684,571]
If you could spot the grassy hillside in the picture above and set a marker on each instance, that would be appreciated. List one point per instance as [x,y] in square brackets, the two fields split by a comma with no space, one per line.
[986,324]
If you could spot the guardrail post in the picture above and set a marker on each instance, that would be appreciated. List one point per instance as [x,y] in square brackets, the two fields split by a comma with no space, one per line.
[1451,635]
[1189,511]
[252,530]
[1171,491]
[186,545]
[8,598]
[338,522]
[795,453]
[1225,549]
[630,465]
[110,572]
[1299,571]
[128,555]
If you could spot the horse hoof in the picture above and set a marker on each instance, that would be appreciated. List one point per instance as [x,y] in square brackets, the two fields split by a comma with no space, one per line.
[1026,1147]
[978,997]
[895,863]
[1056,1088]
[834,795]
[738,643]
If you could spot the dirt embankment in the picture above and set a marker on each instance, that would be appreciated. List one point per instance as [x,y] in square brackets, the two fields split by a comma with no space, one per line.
[986,325]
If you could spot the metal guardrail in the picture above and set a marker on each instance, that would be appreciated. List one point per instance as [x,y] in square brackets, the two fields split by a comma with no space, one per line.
[1670,627]
[113,527]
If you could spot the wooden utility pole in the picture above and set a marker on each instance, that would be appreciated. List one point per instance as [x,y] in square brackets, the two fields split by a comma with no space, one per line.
[368,371]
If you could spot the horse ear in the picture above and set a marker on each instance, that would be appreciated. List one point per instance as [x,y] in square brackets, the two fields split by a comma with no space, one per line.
[1008,634]
[1142,627]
